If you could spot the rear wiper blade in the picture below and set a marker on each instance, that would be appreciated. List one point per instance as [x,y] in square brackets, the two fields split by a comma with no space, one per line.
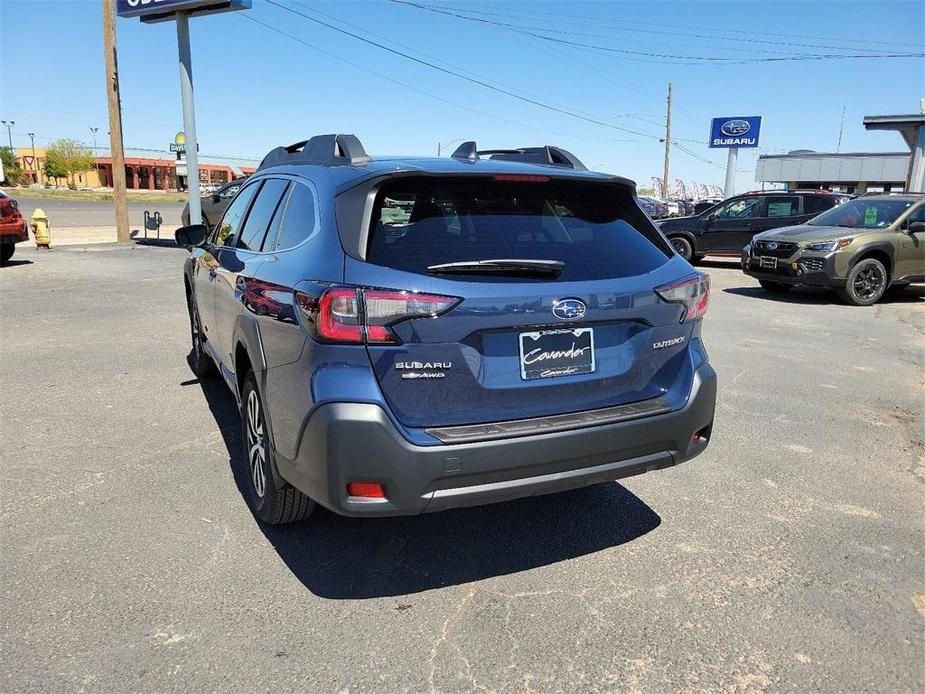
[514,266]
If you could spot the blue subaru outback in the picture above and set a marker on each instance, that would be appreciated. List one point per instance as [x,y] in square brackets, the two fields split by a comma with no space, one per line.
[409,335]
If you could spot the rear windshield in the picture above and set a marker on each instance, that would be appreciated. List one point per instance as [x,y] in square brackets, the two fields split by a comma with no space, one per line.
[595,229]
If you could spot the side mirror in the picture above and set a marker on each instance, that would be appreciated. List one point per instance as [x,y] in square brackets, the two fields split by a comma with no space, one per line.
[916,227]
[192,236]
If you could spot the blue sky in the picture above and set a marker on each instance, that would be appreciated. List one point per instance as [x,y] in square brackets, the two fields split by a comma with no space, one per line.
[257,88]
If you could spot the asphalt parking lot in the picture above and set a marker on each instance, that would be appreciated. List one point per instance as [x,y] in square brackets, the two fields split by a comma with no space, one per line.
[789,557]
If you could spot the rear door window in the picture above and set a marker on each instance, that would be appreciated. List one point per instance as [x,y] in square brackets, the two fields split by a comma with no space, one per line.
[783,206]
[814,204]
[251,236]
[596,229]
[741,208]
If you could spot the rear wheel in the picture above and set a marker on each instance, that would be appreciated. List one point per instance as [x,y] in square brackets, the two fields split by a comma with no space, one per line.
[775,287]
[683,247]
[200,361]
[6,251]
[866,283]
[271,504]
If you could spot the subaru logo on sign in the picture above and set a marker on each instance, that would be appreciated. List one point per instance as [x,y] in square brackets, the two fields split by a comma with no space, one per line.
[772,246]
[735,128]
[569,309]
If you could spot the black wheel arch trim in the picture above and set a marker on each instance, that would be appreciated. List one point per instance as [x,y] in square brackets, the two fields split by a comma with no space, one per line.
[884,247]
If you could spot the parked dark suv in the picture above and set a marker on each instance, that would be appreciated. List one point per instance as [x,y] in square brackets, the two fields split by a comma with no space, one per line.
[726,228]
[409,335]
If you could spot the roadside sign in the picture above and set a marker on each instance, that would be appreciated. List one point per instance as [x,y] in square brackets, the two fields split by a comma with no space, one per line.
[181,168]
[163,10]
[27,160]
[737,131]
[174,147]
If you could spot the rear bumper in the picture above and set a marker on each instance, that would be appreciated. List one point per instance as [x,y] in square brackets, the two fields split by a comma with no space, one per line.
[16,231]
[353,442]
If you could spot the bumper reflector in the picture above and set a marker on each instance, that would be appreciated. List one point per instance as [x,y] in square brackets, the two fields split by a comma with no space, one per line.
[365,490]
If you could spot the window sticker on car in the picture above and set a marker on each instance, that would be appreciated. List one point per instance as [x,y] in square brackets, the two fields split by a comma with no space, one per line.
[779,209]
[870,216]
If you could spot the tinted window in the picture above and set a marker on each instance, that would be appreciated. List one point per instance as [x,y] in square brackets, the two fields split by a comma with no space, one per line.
[251,237]
[299,219]
[741,208]
[595,229]
[229,191]
[783,206]
[269,243]
[863,213]
[230,226]
[917,216]
[814,204]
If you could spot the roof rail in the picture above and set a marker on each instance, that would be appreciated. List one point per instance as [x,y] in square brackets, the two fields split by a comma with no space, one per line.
[547,155]
[321,150]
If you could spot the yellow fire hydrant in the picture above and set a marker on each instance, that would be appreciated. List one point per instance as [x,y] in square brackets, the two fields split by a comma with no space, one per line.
[39,225]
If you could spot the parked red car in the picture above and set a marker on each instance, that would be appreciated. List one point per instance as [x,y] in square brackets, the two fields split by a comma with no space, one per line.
[13,228]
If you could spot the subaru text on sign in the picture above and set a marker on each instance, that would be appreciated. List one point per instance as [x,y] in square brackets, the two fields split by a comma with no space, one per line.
[738,131]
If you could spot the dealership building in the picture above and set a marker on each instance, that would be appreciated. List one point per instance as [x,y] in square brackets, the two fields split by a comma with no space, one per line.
[849,173]
[856,173]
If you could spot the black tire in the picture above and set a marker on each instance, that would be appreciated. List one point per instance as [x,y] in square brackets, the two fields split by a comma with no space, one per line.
[682,247]
[775,287]
[200,361]
[271,504]
[867,282]
[6,251]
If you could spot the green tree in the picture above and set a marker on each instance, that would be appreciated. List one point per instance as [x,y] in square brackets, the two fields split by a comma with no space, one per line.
[11,169]
[69,156]
[52,171]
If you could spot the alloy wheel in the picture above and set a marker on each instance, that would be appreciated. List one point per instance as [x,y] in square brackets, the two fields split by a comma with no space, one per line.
[869,282]
[256,444]
[682,247]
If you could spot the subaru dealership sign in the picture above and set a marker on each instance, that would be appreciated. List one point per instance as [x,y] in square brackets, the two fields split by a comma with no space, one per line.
[740,131]
[159,10]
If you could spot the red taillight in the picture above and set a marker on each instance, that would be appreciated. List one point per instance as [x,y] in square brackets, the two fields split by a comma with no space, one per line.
[521,178]
[339,316]
[366,490]
[353,315]
[692,293]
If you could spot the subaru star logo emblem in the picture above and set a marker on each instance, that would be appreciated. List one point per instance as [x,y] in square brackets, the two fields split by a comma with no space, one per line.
[735,127]
[772,246]
[569,309]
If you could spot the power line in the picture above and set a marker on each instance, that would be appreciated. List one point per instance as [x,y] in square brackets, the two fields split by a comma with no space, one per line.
[421,91]
[473,80]
[597,21]
[660,57]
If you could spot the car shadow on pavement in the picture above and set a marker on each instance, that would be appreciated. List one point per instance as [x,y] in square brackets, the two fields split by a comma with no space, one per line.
[817,295]
[14,263]
[353,558]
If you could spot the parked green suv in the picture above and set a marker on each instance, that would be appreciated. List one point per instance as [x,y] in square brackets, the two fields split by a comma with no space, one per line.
[861,248]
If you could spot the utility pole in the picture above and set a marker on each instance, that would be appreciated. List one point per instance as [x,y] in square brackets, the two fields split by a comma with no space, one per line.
[667,142]
[841,129]
[115,121]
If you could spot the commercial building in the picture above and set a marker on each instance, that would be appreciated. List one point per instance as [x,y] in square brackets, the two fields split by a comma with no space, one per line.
[145,169]
[856,173]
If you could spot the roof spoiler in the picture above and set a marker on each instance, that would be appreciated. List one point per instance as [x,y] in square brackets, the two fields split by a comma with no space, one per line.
[548,155]
[320,150]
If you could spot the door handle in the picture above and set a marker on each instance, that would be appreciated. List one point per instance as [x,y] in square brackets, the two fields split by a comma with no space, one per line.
[212,274]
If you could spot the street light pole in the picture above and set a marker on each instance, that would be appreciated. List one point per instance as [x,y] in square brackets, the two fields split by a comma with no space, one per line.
[9,131]
[96,164]
[35,164]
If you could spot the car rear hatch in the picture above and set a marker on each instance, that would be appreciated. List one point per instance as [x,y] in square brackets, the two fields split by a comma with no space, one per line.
[545,290]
